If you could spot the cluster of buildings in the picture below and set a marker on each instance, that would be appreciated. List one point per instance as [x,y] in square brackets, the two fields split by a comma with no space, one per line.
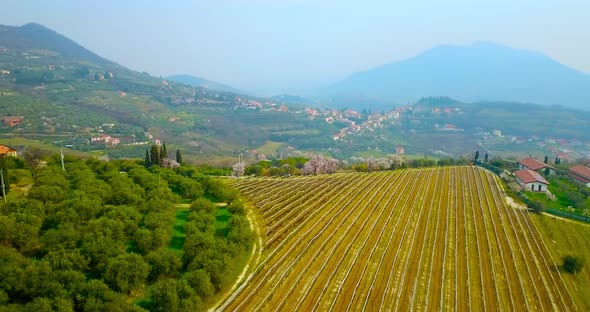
[530,179]
[242,104]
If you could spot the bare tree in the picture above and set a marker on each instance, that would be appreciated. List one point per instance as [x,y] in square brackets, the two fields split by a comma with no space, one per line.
[33,158]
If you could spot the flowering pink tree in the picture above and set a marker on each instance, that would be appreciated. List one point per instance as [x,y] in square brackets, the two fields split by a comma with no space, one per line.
[238,169]
[319,165]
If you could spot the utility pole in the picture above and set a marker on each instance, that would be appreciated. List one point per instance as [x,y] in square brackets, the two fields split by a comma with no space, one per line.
[3,186]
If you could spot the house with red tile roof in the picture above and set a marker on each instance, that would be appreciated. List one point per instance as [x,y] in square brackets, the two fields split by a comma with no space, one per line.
[531,164]
[531,180]
[7,151]
[581,174]
[13,121]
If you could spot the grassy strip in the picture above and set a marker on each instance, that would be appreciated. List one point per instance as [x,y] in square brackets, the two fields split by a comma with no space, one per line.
[178,236]
[569,238]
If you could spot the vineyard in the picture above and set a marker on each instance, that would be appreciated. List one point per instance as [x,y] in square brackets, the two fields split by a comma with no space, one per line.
[428,239]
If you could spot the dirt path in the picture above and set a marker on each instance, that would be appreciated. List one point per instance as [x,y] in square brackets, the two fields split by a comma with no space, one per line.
[255,256]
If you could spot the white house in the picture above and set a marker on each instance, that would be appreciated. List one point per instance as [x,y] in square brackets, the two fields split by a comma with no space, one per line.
[531,180]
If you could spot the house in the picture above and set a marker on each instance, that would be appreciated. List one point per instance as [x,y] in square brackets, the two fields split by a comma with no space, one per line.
[400,150]
[581,174]
[7,151]
[13,121]
[531,164]
[531,180]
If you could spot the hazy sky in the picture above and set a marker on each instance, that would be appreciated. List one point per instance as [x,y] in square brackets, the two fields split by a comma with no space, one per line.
[279,46]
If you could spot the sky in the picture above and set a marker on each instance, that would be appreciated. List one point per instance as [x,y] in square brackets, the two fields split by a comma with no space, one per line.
[289,46]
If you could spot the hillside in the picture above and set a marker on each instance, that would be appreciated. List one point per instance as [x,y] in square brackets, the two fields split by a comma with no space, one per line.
[481,71]
[67,95]
[204,83]
[37,37]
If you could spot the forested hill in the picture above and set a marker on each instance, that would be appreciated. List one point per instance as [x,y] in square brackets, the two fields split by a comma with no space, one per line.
[110,236]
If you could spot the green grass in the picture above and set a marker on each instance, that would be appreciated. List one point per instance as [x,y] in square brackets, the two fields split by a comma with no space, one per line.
[269,148]
[221,219]
[560,187]
[569,238]
[178,236]
[22,142]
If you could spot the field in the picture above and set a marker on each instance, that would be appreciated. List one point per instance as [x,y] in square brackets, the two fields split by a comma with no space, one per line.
[428,239]
[569,238]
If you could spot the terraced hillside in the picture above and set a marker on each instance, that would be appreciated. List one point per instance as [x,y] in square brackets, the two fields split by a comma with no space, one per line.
[429,239]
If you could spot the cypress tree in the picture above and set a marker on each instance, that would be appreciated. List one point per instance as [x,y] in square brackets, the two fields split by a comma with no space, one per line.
[178,157]
[164,151]
[155,155]
[148,161]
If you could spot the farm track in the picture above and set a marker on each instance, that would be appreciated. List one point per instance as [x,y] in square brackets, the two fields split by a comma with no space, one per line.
[429,239]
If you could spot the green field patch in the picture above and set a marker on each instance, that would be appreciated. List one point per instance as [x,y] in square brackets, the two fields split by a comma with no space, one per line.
[269,148]
[221,221]
[178,235]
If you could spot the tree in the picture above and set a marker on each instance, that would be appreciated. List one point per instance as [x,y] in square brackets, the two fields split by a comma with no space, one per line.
[485,158]
[33,159]
[155,155]
[572,264]
[200,281]
[126,272]
[5,182]
[174,295]
[164,150]
[319,165]
[178,157]
[148,160]
[238,169]
[546,161]
[476,157]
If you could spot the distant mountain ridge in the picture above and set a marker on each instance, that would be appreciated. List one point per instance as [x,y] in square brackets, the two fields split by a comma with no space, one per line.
[481,71]
[204,83]
[37,36]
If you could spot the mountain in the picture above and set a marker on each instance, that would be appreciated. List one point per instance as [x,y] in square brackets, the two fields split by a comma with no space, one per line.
[203,83]
[35,36]
[481,71]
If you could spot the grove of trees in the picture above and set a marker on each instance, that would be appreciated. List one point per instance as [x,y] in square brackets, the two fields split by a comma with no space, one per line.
[98,237]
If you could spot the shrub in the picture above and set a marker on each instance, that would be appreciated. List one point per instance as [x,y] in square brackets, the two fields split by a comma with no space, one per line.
[572,264]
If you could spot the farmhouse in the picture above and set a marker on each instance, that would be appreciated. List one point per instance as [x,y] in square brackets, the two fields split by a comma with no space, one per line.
[531,180]
[581,174]
[7,151]
[13,121]
[531,164]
